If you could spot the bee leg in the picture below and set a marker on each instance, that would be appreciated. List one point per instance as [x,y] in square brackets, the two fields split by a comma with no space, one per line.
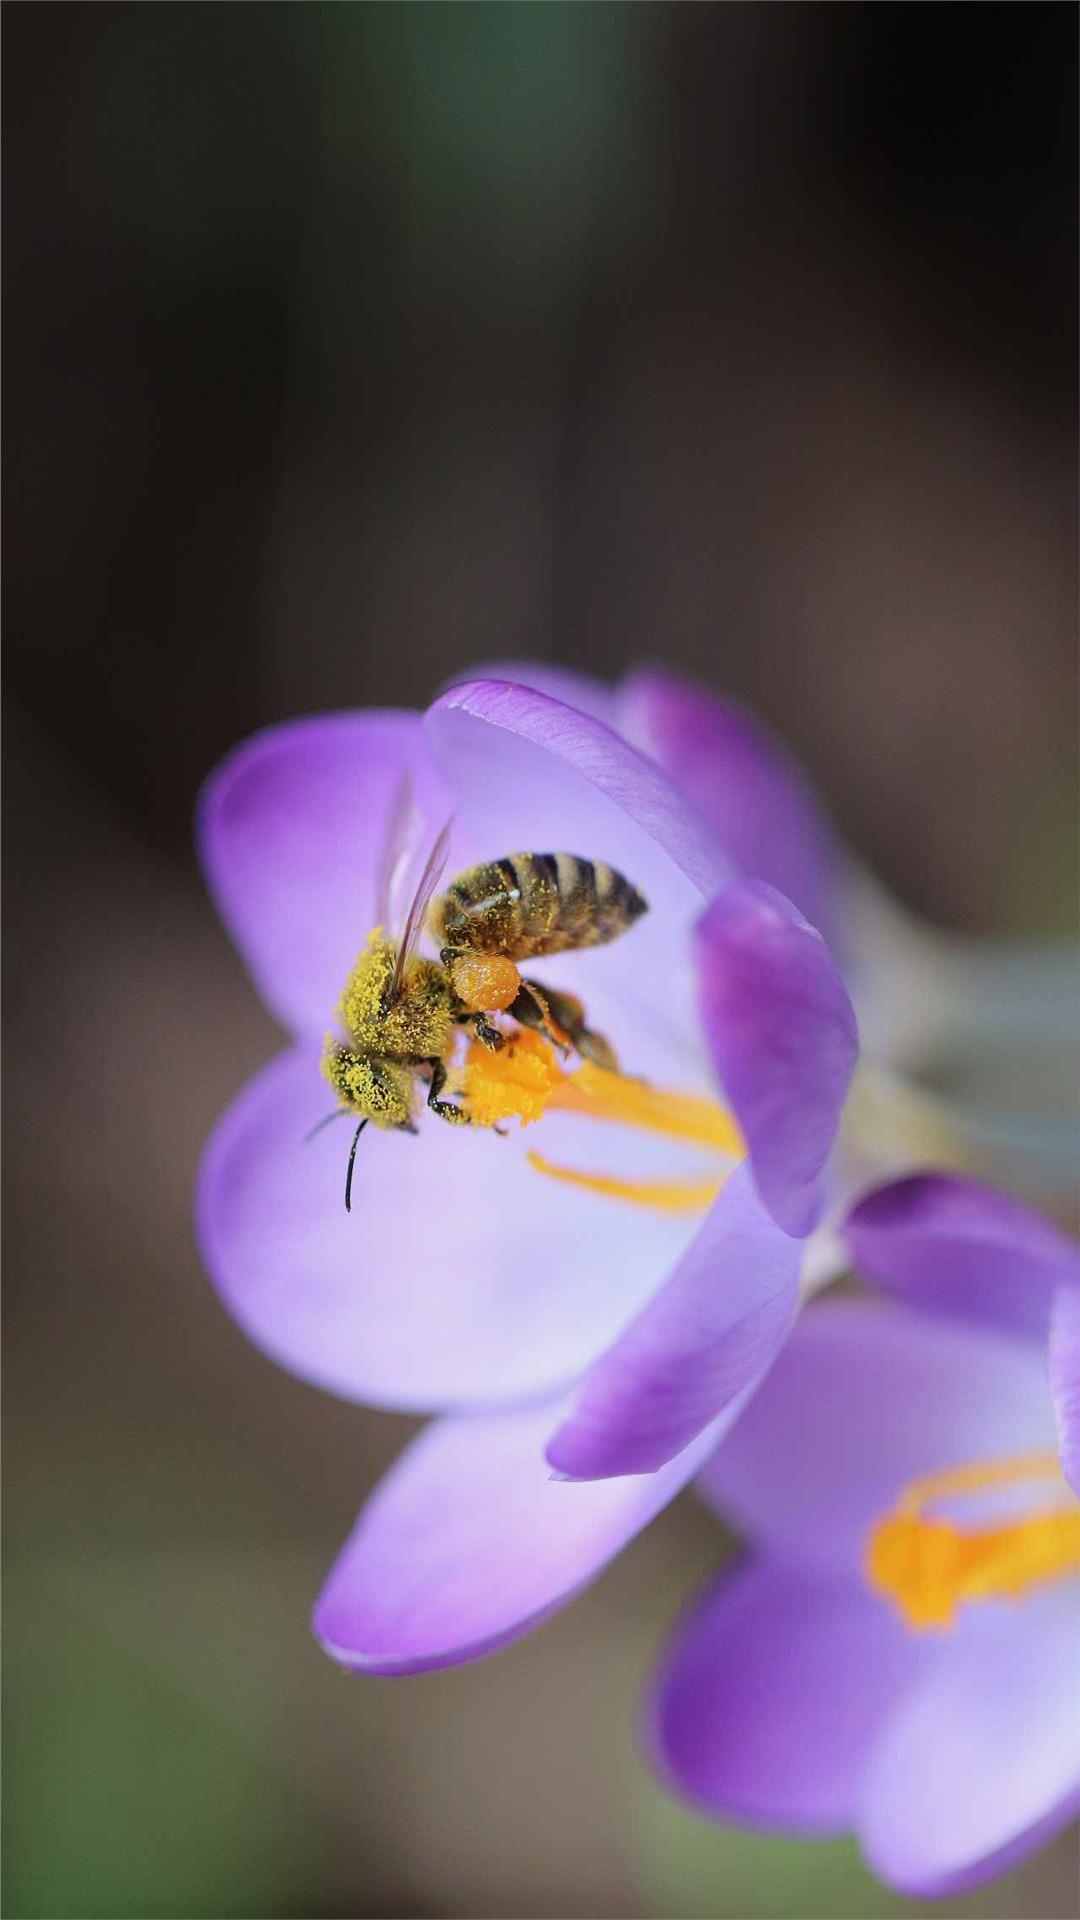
[597,1048]
[489,1036]
[446,1109]
[532,1007]
[542,1008]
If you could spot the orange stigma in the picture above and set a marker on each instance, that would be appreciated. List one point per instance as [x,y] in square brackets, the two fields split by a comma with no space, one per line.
[524,1080]
[928,1566]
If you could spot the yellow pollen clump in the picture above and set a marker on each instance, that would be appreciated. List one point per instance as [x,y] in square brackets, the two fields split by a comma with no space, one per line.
[514,1083]
[929,1566]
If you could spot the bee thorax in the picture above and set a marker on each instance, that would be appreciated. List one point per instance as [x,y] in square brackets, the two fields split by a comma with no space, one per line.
[418,1022]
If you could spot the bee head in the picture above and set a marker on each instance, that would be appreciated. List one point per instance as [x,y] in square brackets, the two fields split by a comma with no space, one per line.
[377,1090]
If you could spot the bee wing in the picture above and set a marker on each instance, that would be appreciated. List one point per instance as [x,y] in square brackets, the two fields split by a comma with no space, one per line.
[426,885]
[404,829]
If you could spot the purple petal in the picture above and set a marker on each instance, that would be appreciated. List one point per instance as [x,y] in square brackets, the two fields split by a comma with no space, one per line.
[529,772]
[710,1332]
[743,783]
[953,1246]
[1065,1379]
[980,1763]
[291,829]
[771,1694]
[469,1542]
[461,1276]
[580,690]
[783,1038]
[529,764]
[864,1398]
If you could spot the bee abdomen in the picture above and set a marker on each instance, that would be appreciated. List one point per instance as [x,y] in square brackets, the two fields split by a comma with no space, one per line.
[534,903]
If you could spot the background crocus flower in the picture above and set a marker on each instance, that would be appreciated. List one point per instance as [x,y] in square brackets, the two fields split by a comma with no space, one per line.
[467,1544]
[952,1246]
[900,1652]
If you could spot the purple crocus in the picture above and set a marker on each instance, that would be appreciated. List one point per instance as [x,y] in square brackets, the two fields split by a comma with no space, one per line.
[899,1653]
[579,1310]
[465,1280]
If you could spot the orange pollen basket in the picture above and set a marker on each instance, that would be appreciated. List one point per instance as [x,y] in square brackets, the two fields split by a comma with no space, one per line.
[487,982]
[929,1566]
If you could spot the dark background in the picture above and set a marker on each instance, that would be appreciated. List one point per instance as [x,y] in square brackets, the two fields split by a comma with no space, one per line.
[348,344]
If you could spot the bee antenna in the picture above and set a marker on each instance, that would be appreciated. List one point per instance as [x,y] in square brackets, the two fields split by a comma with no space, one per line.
[338,1114]
[349,1168]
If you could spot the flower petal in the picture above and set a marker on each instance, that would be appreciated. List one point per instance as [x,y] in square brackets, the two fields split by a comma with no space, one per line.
[980,1763]
[469,1542]
[580,690]
[547,774]
[710,1331]
[1065,1379]
[528,772]
[461,1276]
[291,830]
[951,1245]
[768,1699]
[741,781]
[864,1398]
[783,1038]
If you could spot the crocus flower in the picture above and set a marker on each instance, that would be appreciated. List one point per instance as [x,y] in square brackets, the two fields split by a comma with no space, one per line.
[899,1653]
[602,1303]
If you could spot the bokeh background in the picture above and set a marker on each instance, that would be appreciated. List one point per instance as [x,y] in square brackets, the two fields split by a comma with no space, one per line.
[347,344]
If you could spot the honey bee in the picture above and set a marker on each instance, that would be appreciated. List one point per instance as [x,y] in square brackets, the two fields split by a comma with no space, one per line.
[401,1011]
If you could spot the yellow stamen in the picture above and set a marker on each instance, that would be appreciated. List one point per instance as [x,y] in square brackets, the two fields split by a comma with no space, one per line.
[663,1196]
[928,1566]
[684,1116]
[524,1080]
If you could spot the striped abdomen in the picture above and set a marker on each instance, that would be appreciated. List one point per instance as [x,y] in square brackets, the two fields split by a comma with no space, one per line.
[530,903]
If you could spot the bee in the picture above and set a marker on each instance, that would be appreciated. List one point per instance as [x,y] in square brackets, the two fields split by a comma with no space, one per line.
[401,1012]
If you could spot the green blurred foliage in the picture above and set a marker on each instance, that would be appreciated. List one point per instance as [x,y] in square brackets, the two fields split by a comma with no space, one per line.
[510,145]
[128,1792]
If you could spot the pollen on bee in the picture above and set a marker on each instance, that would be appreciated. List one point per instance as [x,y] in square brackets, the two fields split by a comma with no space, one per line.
[419,1021]
[367,984]
[377,1089]
[485,982]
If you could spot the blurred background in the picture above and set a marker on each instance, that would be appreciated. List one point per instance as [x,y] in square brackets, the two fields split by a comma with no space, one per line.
[348,344]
